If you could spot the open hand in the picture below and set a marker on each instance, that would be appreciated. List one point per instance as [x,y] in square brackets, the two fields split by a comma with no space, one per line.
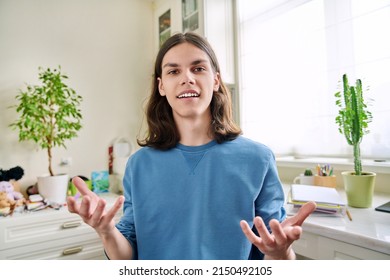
[277,245]
[92,208]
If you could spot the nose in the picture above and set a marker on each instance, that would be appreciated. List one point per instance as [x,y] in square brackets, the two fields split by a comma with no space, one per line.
[187,78]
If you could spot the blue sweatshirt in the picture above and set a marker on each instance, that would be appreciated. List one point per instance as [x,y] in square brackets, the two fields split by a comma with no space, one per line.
[187,202]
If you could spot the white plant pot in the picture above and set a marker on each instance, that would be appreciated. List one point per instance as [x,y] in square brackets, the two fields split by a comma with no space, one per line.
[54,188]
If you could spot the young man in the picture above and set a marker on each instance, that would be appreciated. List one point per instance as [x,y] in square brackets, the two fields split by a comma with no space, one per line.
[190,190]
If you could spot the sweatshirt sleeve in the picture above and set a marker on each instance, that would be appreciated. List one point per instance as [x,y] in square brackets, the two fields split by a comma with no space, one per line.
[270,201]
[126,224]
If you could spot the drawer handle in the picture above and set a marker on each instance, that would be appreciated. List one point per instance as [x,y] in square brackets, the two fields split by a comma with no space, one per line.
[73,250]
[71,224]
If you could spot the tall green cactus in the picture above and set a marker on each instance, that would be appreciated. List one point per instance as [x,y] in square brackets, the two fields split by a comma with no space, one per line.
[353,117]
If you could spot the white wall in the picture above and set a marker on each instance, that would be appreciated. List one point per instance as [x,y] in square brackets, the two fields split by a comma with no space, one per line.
[106,49]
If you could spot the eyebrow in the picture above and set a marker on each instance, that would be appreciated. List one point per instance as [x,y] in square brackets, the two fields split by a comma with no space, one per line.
[195,62]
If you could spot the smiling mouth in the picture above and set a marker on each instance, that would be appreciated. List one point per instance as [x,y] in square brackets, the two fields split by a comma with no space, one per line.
[188,95]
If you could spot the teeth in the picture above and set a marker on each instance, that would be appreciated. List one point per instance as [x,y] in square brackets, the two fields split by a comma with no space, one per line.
[188,94]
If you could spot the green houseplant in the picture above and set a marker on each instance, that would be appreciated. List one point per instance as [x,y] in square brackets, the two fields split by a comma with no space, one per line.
[352,120]
[49,115]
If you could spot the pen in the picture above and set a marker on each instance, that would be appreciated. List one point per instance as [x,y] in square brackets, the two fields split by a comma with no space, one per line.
[318,170]
[349,215]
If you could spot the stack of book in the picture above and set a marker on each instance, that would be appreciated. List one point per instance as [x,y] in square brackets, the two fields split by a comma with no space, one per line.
[328,200]
[36,202]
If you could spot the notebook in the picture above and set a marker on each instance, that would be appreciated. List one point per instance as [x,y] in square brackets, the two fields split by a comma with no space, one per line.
[318,194]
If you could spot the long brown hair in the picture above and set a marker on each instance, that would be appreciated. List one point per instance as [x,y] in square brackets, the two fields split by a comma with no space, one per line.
[162,131]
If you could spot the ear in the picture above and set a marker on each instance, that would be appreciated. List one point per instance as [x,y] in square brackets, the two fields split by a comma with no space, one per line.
[161,87]
[217,82]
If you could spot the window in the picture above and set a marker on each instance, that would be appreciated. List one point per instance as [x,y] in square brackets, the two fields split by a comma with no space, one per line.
[292,57]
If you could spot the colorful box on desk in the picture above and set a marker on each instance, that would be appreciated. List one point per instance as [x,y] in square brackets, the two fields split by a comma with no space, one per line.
[325,181]
[100,181]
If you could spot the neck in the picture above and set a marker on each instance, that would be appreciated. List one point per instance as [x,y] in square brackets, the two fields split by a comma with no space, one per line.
[194,132]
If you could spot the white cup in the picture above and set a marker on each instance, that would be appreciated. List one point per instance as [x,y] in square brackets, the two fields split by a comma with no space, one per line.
[304,180]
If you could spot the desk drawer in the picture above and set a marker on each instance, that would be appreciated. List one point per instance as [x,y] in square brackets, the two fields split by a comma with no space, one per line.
[337,250]
[314,246]
[87,246]
[50,234]
[30,229]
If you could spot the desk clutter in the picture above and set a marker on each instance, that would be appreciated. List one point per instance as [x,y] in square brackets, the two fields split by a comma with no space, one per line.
[323,176]
[328,200]
[10,196]
[13,201]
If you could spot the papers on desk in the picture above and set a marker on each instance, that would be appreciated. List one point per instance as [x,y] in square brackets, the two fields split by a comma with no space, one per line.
[328,200]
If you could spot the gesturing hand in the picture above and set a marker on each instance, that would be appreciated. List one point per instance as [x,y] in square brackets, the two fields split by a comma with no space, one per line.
[92,208]
[277,245]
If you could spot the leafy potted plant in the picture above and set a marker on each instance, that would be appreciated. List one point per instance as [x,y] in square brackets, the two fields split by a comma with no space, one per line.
[353,119]
[49,116]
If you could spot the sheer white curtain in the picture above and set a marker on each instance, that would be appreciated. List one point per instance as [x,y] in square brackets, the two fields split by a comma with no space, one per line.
[292,57]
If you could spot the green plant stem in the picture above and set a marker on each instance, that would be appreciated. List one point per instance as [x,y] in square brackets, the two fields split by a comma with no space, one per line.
[357,160]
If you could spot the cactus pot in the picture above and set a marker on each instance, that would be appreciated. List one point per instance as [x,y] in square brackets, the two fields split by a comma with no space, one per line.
[359,189]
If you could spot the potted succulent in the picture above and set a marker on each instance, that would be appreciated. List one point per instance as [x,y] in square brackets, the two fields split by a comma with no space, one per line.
[308,172]
[305,178]
[49,115]
[353,119]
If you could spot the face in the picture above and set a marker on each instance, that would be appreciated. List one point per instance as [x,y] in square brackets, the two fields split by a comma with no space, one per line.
[188,82]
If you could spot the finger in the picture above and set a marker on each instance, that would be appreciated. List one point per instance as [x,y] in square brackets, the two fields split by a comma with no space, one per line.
[98,213]
[114,209]
[278,232]
[283,234]
[263,230]
[293,233]
[81,186]
[250,235]
[72,205]
[302,214]
[85,207]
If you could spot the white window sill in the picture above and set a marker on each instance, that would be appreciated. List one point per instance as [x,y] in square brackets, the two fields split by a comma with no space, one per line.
[341,164]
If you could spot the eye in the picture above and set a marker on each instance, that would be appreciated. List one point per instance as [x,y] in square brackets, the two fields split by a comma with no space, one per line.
[172,71]
[199,69]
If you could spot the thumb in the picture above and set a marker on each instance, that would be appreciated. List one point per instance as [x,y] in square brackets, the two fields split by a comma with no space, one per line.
[303,213]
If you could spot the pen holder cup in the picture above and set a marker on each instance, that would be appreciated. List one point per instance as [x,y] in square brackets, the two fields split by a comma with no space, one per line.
[325,181]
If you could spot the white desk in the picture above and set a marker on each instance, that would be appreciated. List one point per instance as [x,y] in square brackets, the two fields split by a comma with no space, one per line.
[367,236]
[42,235]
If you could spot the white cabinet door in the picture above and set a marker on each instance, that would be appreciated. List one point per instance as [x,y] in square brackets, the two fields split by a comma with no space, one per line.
[314,246]
[336,250]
